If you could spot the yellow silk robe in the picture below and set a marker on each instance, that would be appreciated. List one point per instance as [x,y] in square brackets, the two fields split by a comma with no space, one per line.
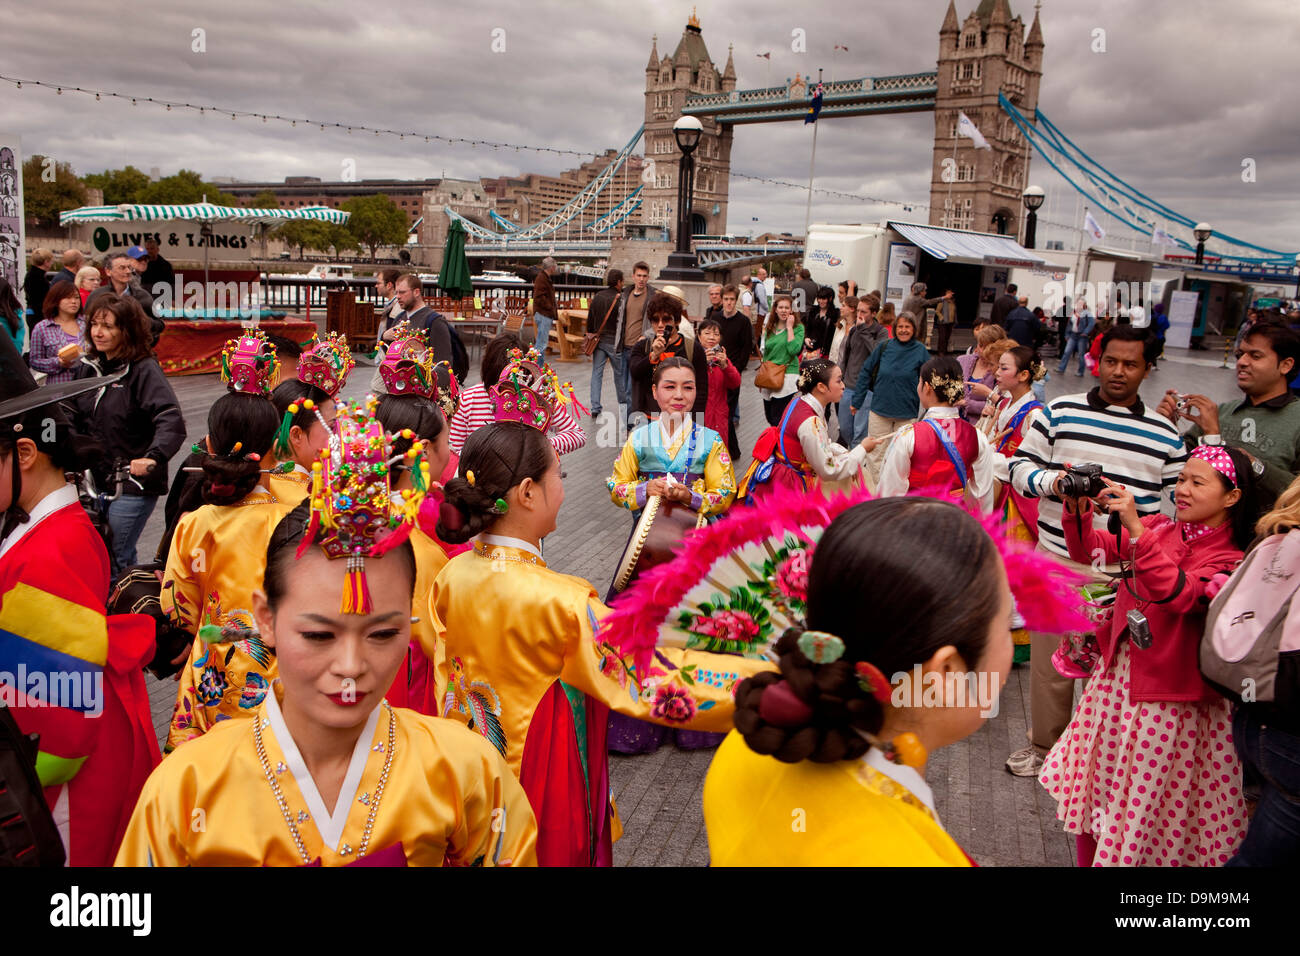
[449,799]
[291,488]
[511,627]
[759,811]
[430,559]
[216,562]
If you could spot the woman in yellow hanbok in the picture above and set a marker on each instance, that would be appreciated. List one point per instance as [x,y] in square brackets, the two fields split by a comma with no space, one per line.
[523,661]
[218,552]
[326,771]
[826,765]
[306,405]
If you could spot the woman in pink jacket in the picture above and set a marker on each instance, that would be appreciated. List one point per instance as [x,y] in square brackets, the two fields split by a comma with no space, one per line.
[1146,773]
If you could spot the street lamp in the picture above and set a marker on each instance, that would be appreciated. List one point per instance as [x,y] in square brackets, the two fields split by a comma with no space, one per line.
[1033,198]
[682,263]
[1202,232]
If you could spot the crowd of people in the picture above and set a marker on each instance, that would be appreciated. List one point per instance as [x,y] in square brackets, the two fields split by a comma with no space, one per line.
[376,664]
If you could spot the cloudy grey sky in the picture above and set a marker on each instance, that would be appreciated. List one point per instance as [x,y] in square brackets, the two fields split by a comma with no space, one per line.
[1184,92]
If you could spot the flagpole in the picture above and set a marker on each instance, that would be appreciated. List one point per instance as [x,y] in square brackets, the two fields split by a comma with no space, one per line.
[812,162]
[1078,248]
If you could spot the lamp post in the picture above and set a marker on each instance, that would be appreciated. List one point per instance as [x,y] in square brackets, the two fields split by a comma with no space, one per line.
[1033,198]
[682,263]
[1202,232]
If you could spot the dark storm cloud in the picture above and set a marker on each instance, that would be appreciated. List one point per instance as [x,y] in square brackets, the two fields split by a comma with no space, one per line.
[1185,90]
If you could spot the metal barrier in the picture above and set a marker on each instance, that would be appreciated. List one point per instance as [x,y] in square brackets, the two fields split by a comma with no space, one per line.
[300,294]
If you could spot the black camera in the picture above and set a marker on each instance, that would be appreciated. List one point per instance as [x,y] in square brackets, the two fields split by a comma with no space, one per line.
[1081,481]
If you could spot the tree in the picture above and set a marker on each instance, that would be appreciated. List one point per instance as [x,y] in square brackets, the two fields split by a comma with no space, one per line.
[375,221]
[119,185]
[264,200]
[186,186]
[313,234]
[48,189]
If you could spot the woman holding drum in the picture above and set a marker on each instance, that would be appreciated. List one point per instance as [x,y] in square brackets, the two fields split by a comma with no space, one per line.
[674,474]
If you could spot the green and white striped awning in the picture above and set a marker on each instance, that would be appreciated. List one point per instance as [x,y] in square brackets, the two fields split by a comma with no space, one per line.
[198,212]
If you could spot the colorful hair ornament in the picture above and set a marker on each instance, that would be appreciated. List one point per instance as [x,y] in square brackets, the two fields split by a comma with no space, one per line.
[326,363]
[249,365]
[820,647]
[526,392]
[872,681]
[353,511]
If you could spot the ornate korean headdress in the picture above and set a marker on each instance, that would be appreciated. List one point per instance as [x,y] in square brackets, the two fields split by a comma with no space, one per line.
[530,392]
[249,364]
[326,363]
[353,512]
[408,369]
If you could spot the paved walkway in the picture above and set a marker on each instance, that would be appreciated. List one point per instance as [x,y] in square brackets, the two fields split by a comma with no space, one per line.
[999,819]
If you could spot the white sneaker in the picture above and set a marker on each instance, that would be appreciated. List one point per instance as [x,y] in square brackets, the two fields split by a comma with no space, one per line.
[1025,763]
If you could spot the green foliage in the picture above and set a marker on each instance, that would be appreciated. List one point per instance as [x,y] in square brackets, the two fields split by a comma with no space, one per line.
[129,185]
[263,200]
[43,201]
[119,185]
[375,221]
[306,234]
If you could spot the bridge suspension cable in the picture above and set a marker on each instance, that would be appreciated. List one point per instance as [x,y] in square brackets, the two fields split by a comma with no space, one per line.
[1116,197]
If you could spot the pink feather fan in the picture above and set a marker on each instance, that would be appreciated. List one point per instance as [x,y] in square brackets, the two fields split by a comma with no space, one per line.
[736,585]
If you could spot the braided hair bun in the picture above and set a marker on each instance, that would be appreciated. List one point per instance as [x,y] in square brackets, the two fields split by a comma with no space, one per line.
[872,584]
[499,456]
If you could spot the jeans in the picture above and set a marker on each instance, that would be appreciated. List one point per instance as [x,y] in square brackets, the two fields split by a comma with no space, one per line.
[544,323]
[605,353]
[853,428]
[942,335]
[1074,342]
[1273,837]
[127,517]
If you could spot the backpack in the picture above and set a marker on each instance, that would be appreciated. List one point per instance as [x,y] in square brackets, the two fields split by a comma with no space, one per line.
[459,354]
[1251,647]
[28,835]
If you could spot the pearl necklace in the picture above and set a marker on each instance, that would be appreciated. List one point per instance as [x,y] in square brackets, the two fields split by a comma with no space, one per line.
[284,806]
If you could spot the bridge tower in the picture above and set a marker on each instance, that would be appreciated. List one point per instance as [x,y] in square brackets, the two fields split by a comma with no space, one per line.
[667,83]
[987,54]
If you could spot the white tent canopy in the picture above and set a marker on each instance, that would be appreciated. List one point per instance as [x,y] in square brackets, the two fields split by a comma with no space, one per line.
[199,212]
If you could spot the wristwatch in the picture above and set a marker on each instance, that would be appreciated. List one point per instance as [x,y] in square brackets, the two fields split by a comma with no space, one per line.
[1211,439]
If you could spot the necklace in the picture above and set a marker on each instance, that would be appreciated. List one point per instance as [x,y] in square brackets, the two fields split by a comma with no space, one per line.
[284,806]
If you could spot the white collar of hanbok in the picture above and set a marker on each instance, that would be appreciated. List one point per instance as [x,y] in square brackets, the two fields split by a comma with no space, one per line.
[942,411]
[329,826]
[903,775]
[501,541]
[674,437]
[818,407]
[56,499]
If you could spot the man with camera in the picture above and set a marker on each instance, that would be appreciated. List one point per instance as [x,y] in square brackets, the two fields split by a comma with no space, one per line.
[1265,424]
[1113,432]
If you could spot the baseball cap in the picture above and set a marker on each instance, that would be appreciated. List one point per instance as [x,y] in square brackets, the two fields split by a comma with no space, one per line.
[137,252]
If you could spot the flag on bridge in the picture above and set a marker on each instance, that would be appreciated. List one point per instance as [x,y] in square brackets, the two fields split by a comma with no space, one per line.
[816,106]
[968,129]
[1161,238]
[844,48]
[1093,227]
[764,56]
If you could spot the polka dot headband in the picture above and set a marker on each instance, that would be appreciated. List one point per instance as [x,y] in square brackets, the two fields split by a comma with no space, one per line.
[1217,457]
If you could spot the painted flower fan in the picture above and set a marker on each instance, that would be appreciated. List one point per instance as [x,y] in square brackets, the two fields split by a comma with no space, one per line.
[735,586]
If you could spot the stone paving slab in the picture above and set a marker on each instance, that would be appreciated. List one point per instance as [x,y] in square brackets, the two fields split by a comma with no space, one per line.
[999,819]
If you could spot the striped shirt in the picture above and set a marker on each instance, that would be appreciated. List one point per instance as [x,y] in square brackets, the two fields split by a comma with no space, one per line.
[1135,447]
[475,410]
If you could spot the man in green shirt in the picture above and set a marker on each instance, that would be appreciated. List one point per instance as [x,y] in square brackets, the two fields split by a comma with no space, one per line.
[1266,424]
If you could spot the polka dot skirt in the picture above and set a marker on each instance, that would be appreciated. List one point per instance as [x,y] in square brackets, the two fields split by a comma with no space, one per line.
[1155,784]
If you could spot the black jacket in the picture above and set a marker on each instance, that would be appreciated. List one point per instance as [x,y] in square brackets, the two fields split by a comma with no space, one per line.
[818,332]
[36,286]
[1021,325]
[1002,307]
[135,417]
[642,372]
[605,300]
[737,338]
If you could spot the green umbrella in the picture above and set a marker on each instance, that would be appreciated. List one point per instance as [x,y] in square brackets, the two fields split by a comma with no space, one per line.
[454,277]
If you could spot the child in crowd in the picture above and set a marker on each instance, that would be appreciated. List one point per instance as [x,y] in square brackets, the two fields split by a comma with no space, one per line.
[1146,774]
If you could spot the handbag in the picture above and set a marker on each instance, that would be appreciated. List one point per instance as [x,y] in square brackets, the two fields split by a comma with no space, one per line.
[770,375]
[591,339]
